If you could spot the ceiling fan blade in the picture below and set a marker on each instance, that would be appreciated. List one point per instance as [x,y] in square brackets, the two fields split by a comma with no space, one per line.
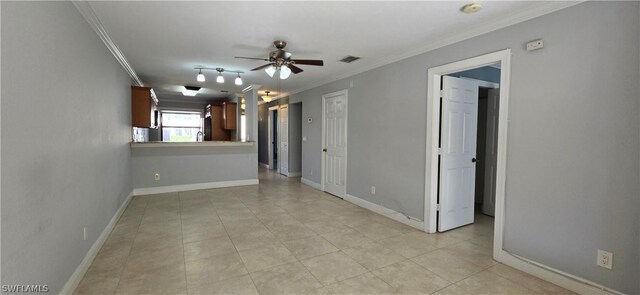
[261,67]
[254,58]
[311,62]
[294,69]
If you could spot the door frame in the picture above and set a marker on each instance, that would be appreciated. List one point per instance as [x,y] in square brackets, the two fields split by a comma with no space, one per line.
[270,136]
[433,133]
[344,92]
[280,108]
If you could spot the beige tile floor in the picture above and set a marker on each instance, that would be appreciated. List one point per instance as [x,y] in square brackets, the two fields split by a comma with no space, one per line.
[281,237]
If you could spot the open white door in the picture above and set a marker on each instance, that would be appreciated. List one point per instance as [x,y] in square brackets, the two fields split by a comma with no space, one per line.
[283,136]
[335,143]
[491,153]
[458,144]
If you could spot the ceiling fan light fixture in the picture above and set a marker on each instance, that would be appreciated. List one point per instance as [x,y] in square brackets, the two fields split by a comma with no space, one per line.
[285,72]
[270,71]
[220,79]
[200,77]
[238,80]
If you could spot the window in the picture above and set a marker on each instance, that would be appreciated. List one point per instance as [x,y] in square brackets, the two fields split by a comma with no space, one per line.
[181,126]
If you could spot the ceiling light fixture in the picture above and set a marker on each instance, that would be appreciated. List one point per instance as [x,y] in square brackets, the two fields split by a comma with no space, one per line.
[267,98]
[220,78]
[470,8]
[200,77]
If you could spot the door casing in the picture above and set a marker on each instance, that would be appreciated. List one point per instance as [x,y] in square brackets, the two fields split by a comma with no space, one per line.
[434,75]
[270,135]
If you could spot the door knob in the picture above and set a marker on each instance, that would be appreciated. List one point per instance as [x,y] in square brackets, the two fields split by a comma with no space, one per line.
[324,150]
[474,160]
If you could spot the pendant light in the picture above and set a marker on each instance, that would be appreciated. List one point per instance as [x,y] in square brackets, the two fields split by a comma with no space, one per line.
[220,79]
[238,80]
[200,77]
[267,98]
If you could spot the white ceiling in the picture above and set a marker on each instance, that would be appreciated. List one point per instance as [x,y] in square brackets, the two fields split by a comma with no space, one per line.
[164,41]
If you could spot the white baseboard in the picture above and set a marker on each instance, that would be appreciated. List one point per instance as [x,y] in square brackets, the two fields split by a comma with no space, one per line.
[558,277]
[294,174]
[311,183]
[80,271]
[397,216]
[263,165]
[191,187]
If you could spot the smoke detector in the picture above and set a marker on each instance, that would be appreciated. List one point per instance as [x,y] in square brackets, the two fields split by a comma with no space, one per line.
[470,8]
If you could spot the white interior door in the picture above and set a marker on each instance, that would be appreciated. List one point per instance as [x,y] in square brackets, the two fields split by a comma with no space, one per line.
[491,153]
[335,143]
[458,133]
[283,136]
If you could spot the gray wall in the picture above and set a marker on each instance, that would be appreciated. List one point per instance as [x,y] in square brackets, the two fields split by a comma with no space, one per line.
[66,122]
[573,163]
[190,165]
[295,137]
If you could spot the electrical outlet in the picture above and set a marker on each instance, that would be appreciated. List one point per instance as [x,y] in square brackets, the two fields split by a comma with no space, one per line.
[605,259]
[535,45]
[157,176]
[84,233]
[373,190]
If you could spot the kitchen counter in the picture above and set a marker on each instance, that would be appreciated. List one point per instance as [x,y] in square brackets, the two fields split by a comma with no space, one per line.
[163,144]
[162,167]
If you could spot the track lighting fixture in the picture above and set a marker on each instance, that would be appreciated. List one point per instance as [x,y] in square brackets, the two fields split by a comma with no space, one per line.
[200,77]
[220,79]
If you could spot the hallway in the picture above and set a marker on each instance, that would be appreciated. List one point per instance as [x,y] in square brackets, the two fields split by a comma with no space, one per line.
[283,237]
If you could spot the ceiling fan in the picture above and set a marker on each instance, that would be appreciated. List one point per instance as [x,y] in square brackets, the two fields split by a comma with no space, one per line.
[281,60]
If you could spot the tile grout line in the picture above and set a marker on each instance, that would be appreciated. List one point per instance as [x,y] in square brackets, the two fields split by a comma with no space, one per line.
[132,242]
[234,245]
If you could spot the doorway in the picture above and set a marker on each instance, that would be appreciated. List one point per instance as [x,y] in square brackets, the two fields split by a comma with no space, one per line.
[272,123]
[449,134]
[334,143]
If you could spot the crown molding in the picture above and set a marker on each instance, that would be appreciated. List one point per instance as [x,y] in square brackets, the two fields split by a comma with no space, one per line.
[451,38]
[90,16]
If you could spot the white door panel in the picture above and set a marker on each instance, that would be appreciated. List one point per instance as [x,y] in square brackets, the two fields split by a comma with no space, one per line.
[491,152]
[457,162]
[335,149]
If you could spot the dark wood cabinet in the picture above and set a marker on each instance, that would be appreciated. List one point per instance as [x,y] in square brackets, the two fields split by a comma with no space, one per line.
[217,124]
[220,121]
[143,108]
[230,115]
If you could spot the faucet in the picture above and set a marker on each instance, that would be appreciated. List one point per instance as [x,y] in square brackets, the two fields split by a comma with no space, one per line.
[199,136]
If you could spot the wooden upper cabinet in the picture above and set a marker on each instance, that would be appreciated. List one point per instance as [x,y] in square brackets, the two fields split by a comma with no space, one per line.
[230,115]
[217,123]
[143,108]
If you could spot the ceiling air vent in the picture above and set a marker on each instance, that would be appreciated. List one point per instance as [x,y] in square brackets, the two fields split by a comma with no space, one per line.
[349,59]
[224,91]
